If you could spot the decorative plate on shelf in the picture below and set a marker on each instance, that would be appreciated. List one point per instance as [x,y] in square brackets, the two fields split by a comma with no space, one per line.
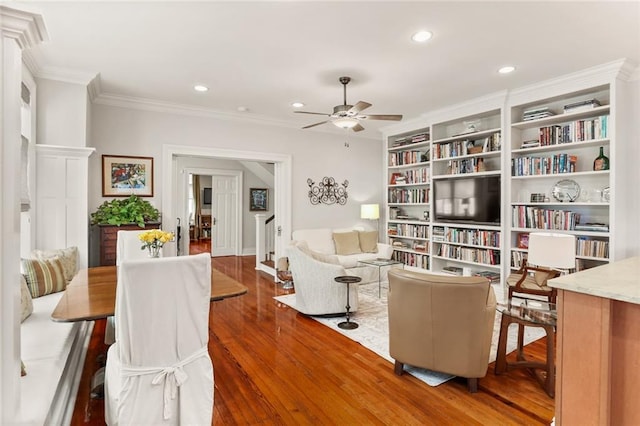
[566,190]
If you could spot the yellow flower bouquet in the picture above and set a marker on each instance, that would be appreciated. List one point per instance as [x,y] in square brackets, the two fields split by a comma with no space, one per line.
[153,240]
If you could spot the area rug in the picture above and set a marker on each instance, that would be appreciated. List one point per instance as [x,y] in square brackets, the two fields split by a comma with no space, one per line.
[373,330]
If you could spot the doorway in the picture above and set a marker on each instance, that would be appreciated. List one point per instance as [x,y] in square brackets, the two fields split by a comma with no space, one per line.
[172,207]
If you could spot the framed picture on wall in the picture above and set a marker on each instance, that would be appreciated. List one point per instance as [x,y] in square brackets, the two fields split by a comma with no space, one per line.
[258,199]
[123,176]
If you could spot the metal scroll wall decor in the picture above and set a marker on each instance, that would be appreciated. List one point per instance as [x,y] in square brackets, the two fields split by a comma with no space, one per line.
[328,191]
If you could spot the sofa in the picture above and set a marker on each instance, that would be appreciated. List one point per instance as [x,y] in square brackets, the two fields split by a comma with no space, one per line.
[52,353]
[345,246]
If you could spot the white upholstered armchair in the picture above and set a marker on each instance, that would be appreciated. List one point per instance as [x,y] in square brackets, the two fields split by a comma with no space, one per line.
[159,371]
[316,291]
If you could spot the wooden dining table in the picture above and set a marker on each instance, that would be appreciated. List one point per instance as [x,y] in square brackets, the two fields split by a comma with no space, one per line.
[91,294]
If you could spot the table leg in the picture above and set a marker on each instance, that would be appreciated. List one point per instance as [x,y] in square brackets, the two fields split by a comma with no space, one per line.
[348,325]
[501,354]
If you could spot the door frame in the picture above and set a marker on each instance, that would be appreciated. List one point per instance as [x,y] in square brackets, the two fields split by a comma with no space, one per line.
[282,185]
[239,205]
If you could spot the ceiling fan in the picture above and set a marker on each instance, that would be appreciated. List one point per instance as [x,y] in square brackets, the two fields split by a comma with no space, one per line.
[348,116]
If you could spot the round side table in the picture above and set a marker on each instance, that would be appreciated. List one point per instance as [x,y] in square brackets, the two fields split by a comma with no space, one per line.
[348,280]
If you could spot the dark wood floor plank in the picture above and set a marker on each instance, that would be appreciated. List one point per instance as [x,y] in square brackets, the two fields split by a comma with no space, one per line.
[275,366]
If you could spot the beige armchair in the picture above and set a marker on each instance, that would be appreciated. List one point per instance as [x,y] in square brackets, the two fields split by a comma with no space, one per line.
[441,323]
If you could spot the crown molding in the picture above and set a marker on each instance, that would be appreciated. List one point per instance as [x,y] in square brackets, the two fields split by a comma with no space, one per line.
[629,71]
[69,151]
[66,75]
[153,105]
[94,88]
[27,28]
[590,77]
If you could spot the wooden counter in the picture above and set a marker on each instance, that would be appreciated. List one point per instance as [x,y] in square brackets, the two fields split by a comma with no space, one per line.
[598,341]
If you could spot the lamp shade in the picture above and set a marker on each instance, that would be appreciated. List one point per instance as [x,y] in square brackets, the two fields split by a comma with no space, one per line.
[345,122]
[552,250]
[370,211]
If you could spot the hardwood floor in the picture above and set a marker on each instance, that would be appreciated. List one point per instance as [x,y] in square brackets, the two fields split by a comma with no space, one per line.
[275,366]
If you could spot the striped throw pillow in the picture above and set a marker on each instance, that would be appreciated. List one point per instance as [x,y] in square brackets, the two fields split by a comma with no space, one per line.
[44,276]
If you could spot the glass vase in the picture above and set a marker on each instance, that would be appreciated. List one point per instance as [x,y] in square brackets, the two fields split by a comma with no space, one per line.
[154,251]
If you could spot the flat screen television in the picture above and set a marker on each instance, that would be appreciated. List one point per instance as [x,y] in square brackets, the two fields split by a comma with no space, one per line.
[206,198]
[473,199]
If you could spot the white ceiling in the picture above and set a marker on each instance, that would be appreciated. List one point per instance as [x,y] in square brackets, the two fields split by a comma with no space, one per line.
[264,55]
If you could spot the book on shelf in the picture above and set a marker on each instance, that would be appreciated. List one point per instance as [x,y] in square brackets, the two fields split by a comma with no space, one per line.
[492,276]
[532,143]
[581,105]
[592,227]
[537,113]
[452,270]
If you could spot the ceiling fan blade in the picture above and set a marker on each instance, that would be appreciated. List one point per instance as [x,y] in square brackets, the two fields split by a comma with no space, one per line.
[357,128]
[314,113]
[392,117]
[316,124]
[359,107]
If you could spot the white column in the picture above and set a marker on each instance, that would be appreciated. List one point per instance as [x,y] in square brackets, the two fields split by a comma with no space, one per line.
[260,239]
[20,30]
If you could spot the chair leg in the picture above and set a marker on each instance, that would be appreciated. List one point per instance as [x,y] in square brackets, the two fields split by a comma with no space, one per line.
[472,385]
[398,368]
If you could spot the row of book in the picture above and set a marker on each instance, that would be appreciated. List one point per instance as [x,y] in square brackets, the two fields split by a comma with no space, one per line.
[584,105]
[468,165]
[405,195]
[467,254]
[576,131]
[412,259]
[466,147]
[420,175]
[537,113]
[538,218]
[592,248]
[492,276]
[409,230]
[533,166]
[475,237]
[404,157]
[420,137]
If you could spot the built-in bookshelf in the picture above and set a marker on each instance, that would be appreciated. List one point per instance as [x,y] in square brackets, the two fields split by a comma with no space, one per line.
[538,144]
[409,197]
[551,151]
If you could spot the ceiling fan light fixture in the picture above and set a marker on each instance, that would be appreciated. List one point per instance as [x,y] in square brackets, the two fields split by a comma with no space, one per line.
[345,122]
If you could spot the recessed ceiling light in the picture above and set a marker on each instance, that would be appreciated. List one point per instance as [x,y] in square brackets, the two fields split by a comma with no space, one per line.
[297,104]
[422,36]
[200,88]
[507,69]
[243,109]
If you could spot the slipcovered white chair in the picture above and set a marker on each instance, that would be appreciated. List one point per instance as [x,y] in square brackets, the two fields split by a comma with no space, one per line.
[159,371]
[316,291]
[127,247]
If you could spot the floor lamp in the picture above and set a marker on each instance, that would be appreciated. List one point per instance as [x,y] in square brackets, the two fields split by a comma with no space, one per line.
[371,212]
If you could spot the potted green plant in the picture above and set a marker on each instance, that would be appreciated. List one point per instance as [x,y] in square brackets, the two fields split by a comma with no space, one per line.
[132,209]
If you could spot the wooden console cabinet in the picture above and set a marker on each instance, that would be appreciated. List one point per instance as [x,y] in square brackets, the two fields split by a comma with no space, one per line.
[598,345]
[109,236]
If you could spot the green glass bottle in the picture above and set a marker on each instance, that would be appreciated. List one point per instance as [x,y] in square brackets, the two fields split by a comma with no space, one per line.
[601,162]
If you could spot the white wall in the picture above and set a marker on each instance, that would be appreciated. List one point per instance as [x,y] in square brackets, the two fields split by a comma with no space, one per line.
[62,113]
[122,131]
